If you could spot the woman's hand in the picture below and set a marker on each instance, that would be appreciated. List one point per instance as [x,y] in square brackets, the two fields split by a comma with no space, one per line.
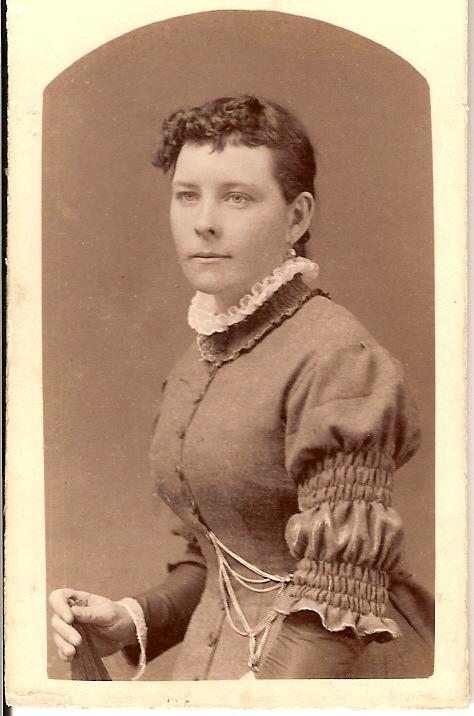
[109,623]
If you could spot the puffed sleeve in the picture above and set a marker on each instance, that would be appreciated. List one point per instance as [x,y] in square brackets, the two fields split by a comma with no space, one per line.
[350,425]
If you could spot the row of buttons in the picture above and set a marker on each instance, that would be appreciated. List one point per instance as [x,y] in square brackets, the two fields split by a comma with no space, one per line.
[212,639]
[192,502]
[181,433]
[213,636]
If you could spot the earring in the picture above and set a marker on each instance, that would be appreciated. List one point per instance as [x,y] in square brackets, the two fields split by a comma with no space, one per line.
[290,252]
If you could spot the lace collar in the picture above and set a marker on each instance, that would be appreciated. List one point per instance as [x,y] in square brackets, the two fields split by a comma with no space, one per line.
[205,321]
[241,337]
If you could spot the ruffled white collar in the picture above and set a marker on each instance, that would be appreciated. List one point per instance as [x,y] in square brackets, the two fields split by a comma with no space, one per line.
[202,316]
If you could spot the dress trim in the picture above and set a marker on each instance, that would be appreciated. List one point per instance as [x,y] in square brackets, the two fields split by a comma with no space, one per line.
[336,619]
[221,347]
[366,476]
[137,616]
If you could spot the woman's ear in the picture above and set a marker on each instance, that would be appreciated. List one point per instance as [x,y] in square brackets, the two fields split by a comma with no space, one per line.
[301,212]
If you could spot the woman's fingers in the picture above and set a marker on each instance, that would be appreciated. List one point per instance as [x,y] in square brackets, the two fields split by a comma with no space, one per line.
[101,614]
[65,631]
[59,600]
[66,651]
[87,615]
[73,607]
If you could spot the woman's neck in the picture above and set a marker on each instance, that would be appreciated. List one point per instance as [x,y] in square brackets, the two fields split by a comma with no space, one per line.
[229,299]
[224,302]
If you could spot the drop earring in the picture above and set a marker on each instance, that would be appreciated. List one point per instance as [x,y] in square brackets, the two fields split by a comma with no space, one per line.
[290,252]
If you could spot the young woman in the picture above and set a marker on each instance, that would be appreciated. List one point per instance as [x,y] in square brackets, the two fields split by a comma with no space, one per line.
[279,435]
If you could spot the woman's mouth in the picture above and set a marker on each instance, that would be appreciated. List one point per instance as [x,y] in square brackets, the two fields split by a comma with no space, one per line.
[209,256]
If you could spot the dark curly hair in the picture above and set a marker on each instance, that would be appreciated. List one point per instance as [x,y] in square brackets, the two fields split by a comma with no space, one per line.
[253,122]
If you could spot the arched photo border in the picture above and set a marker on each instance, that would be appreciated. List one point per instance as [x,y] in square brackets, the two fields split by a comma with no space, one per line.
[432,39]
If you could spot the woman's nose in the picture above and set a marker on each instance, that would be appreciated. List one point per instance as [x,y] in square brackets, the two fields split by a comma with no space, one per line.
[206,222]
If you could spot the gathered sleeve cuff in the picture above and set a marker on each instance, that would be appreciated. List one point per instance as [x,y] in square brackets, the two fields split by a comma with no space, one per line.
[350,425]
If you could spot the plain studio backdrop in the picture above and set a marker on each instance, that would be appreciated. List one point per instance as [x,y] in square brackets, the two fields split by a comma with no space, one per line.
[115,301]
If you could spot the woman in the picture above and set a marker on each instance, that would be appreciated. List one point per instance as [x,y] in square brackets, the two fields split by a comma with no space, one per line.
[280,430]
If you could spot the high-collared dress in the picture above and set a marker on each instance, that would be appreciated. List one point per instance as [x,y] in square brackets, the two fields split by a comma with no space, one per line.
[275,453]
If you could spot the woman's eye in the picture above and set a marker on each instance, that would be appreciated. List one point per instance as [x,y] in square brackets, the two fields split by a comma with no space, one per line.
[238,199]
[187,197]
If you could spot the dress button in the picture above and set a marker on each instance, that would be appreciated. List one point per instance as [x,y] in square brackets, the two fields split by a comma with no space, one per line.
[181,433]
[211,638]
[197,399]
[179,472]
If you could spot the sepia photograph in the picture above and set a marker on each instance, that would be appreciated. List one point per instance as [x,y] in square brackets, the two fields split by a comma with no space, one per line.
[239,316]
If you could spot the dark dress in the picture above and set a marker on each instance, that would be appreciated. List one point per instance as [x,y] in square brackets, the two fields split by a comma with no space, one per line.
[278,440]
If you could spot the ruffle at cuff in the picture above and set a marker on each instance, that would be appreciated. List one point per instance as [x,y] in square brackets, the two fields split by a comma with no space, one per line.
[136,614]
[347,540]
[337,619]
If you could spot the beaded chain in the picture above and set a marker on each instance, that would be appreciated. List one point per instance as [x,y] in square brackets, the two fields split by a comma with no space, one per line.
[229,597]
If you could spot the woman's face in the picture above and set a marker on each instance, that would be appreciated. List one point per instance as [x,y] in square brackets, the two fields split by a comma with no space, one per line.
[230,222]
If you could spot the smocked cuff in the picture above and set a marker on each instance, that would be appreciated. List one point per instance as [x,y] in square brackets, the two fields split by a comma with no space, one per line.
[344,596]
[347,540]
[365,475]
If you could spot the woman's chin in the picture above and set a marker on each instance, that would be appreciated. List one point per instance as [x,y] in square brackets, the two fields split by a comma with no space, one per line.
[209,282]
[210,287]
